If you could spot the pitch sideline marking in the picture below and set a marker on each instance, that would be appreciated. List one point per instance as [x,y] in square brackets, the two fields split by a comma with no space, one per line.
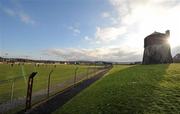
[24,73]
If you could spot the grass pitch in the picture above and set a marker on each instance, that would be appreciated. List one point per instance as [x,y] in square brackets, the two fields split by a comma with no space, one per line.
[60,74]
[141,89]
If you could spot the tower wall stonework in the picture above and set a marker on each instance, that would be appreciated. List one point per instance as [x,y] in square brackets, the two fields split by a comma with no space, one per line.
[157,50]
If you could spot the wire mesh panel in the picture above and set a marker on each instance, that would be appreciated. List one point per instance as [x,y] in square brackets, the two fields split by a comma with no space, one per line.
[62,76]
[40,83]
[12,93]
[13,86]
[5,91]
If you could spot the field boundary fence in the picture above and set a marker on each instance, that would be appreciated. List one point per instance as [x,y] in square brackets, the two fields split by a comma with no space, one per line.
[15,98]
[9,99]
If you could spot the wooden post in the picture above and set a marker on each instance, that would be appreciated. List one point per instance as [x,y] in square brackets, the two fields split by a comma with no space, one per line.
[29,90]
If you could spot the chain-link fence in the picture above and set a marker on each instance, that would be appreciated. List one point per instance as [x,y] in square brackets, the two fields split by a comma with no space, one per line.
[49,80]
[13,93]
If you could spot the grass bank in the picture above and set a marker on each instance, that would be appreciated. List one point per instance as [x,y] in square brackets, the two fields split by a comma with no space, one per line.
[147,89]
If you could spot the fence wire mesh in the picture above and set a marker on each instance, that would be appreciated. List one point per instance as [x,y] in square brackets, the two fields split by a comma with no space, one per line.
[50,79]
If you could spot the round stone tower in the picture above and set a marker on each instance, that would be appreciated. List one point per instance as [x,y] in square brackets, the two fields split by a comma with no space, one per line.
[157,48]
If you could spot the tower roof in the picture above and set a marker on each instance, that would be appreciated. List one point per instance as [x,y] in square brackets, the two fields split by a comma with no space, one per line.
[156,38]
[156,35]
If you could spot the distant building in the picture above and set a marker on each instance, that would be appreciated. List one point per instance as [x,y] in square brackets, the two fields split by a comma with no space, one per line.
[157,48]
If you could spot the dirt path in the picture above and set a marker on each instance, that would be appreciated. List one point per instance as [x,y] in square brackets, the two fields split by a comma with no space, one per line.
[60,99]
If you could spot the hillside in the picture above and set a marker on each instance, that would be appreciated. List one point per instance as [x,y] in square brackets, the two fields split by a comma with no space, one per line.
[130,89]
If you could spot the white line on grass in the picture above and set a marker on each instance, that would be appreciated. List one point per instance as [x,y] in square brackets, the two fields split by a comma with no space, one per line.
[24,74]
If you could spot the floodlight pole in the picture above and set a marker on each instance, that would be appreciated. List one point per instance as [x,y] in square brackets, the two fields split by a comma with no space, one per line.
[29,91]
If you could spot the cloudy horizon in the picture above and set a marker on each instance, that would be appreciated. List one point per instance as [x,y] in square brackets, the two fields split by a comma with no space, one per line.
[65,30]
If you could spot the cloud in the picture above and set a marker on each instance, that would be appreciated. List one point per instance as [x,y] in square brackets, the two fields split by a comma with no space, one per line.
[122,39]
[87,38]
[75,29]
[142,17]
[9,11]
[18,13]
[105,15]
[134,20]
[108,34]
[25,18]
[103,53]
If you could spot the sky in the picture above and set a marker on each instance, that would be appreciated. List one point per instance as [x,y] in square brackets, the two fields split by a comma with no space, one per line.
[108,30]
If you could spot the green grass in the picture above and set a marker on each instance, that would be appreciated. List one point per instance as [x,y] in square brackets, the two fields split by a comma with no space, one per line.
[60,74]
[141,89]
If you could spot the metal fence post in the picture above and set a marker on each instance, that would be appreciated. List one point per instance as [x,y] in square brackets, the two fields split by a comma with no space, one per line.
[12,90]
[87,71]
[94,68]
[29,90]
[75,73]
[49,79]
